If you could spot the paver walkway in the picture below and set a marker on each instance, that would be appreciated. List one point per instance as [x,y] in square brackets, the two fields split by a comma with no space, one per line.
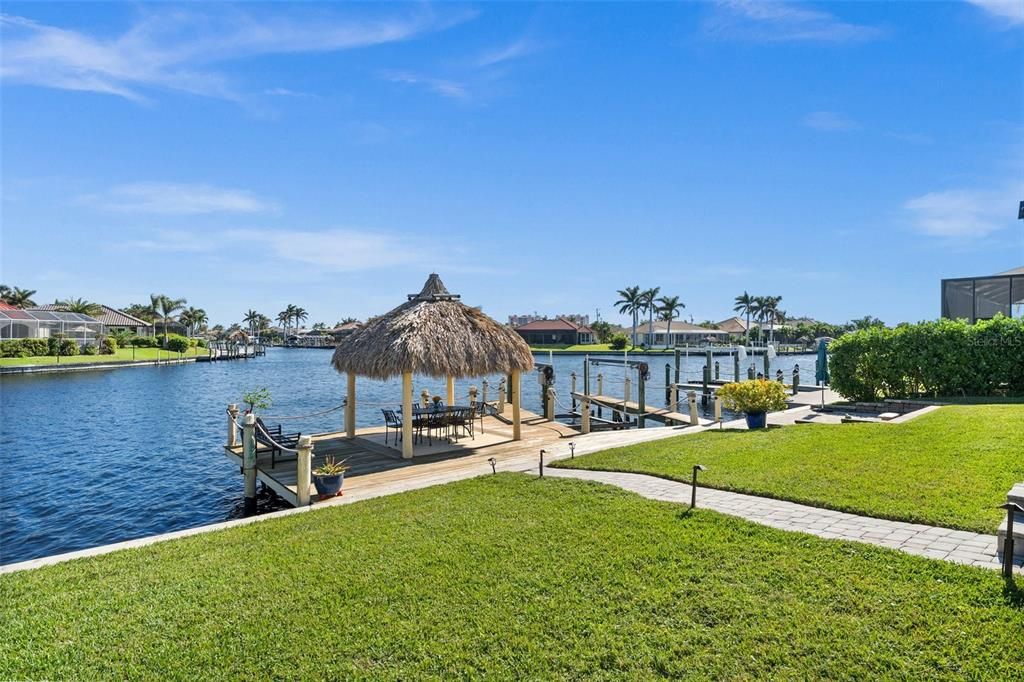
[959,546]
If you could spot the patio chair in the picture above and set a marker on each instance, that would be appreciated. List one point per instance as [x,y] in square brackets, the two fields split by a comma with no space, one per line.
[272,437]
[391,421]
[463,419]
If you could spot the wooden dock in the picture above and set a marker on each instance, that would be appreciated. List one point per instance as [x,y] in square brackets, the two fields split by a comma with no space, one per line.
[372,460]
[664,415]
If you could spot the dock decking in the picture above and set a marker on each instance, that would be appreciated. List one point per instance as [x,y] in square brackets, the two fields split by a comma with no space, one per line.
[373,462]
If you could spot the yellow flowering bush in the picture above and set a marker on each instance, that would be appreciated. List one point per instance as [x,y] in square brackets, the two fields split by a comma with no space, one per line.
[758,395]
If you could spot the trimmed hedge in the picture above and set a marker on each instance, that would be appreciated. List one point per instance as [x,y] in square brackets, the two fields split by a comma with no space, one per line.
[940,358]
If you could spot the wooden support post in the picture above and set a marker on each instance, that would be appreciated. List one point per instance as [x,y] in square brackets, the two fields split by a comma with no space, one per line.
[751,371]
[350,406]
[600,390]
[303,466]
[501,397]
[424,397]
[585,415]
[514,390]
[641,402]
[549,412]
[767,365]
[407,437]
[736,367]
[450,400]
[232,429]
[628,383]
[691,398]
[572,389]
[718,408]
[796,379]
[586,375]
[508,389]
[705,391]
[485,386]
[709,360]
[718,371]
[249,462]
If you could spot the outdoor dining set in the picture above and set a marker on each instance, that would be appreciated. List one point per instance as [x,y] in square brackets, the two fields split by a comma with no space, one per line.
[437,420]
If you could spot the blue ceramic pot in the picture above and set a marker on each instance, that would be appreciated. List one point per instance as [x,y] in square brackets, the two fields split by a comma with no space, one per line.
[328,486]
[757,420]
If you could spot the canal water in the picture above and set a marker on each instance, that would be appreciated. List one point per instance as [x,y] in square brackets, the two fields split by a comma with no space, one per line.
[90,458]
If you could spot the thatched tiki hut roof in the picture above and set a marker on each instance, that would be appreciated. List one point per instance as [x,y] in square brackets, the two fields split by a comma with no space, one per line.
[436,335]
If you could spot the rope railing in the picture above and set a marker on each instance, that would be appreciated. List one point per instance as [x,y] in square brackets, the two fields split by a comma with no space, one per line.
[306,416]
[266,435]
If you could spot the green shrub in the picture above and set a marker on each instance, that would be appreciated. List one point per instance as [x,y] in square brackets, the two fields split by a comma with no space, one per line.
[90,349]
[201,343]
[940,358]
[178,344]
[757,395]
[618,341]
[108,345]
[144,341]
[23,348]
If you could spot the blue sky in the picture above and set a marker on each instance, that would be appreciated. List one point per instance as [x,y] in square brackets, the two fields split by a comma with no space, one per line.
[845,156]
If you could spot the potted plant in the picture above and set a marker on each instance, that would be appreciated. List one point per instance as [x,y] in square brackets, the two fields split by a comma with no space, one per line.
[437,401]
[755,398]
[329,477]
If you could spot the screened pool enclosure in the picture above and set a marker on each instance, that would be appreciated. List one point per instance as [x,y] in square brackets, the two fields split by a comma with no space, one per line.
[38,324]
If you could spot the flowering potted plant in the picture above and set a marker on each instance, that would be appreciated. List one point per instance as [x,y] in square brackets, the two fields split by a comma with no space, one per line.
[755,399]
[329,477]
[437,401]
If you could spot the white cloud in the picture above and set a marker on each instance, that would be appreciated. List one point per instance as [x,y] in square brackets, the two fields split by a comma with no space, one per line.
[177,199]
[176,50]
[829,121]
[440,86]
[964,212]
[782,22]
[516,50]
[1010,11]
[170,241]
[342,250]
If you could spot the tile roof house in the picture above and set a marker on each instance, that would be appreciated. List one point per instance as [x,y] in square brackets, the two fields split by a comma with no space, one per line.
[661,334]
[112,319]
[559,331]
[733,325]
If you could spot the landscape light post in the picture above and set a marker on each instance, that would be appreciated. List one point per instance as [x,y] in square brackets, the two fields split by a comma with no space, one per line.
[693,485]
[572,450]
[1012,508]
[542,463]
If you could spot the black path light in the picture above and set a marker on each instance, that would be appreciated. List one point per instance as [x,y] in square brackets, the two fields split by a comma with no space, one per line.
[1012,508]
[542,453]
[693,485]
[494,465]
[572,450]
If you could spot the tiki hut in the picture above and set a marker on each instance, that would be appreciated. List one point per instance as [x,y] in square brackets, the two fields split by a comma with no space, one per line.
[436,335]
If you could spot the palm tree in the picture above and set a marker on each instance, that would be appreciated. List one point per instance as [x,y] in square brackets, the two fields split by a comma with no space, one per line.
[650,307]
[668,310]
[165,307]
[770,312]
[193,318]
[745,306]
[81,306]
[285,317]
[20,298]
[299,315]
[630,303]
[251,318]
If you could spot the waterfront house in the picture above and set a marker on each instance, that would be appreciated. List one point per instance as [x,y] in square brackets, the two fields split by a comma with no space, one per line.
[112,319]
[733,326]
[16,323]
[679,333]
[982,298]
[559,331]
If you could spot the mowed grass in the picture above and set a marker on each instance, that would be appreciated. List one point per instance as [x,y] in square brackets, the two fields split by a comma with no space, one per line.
[950,468]
[121,355]
[509,577]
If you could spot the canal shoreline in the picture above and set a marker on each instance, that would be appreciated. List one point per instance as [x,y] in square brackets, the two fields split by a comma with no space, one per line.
[87,366]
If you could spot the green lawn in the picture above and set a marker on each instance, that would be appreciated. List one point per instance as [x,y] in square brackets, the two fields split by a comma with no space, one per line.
[509,577]
[948,468]
[122,354]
